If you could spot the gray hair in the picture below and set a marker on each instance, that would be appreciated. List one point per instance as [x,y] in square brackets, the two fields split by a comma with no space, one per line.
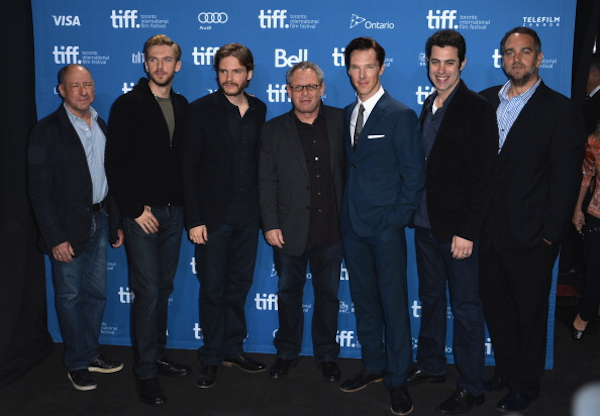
[305,65]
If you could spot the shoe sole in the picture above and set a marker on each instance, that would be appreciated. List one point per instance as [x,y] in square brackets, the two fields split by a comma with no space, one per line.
[402,414]
[232,364]
[447,412]
[205,386]
[104,370]
[377,380]
[81,388]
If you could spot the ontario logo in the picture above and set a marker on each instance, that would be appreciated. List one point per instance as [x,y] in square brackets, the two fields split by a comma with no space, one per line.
[357,20]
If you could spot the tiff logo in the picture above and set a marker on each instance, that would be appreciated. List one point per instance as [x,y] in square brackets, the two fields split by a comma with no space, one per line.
[497,58]
[345,339]
[204,56]
[137,58]
[66,20]
[277,93]
[124,19]
[442,19]
[64,55]
[125,295]
[273,19]
[282,60]
[338,57]
[266,302]
[416,308]
[127,87]
[197,331]
[423,93]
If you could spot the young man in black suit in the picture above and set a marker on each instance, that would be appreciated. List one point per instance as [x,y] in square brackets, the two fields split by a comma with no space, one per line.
[536,182]
[460,139]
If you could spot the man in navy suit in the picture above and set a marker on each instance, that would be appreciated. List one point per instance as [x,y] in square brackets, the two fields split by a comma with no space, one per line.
[385,174]
[536,182]
[460,138]
[69,195]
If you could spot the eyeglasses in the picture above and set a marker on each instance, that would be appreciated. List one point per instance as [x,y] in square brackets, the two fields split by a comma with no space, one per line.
[309,88]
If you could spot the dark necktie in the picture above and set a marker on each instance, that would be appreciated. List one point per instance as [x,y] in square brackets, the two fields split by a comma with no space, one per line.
[359,125]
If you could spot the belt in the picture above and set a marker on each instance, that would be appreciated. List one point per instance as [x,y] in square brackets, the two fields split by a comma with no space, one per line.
[97,207]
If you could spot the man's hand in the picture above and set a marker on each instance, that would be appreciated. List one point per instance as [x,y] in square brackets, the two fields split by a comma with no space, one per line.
[198,234]
[63,252]
[461,248]
[578,220]
[274,238]
[120,239]
[148,221]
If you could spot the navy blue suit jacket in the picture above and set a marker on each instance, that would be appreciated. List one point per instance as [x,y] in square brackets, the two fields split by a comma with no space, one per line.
[386,174]
[60,185]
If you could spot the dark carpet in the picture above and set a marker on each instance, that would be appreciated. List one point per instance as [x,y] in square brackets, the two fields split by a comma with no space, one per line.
[45,390]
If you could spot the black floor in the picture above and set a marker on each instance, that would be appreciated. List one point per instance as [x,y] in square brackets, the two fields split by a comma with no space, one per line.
[45,390]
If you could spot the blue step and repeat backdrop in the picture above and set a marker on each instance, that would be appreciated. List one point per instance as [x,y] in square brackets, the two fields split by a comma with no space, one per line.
[108,36]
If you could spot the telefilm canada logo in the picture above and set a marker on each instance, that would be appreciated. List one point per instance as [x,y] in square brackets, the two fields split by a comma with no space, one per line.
[357,20]
[208,19]
[541,21]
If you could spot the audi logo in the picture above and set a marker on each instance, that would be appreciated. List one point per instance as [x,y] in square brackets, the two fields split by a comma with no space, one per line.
[212,17]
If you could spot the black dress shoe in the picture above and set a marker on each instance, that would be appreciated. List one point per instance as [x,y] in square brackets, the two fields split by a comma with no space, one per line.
[496,383]
[245,363]
[360,381]
[401,401]
[331,371]
[515,401]
[150,392]
[281,368]
[104,364]
[461,401]
[416,376]
[166,367]
[207,377]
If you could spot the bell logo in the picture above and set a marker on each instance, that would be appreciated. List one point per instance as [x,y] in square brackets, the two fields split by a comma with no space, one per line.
[282,60]
[66,20]
[442,19]
[275,19]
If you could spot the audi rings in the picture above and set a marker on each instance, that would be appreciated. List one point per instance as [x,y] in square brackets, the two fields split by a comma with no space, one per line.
[207,18]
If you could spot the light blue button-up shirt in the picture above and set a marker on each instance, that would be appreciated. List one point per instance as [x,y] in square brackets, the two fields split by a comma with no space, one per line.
[510,108]
[94,142]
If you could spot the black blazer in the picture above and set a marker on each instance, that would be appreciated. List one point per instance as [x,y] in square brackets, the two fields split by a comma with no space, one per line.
[207,161]
[284,184]
[60,185]
[460,165]
[538,174]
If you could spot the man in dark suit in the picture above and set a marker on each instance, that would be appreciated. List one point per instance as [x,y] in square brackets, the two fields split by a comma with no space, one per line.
[300,185]
[537,178]
[142,164]
[460,138]
[69,195]
[220,191]
[385,174]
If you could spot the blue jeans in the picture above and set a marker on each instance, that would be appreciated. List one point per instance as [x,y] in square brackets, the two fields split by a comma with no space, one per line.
[80,296]
[225,269]
[325,264]
[153,260]
[436,267]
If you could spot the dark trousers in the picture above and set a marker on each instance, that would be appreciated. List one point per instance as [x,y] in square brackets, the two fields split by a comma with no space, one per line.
[153,260]
[436,268]
[588,305]
[377,274]
[325,264]
[514,293]
[225,269]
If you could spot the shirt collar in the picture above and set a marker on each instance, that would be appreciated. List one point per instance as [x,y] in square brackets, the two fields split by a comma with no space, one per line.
[370,103]
[73,118]
[503,93]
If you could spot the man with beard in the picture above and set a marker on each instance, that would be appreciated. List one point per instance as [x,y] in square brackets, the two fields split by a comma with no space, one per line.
[536,182]
[142,165]
[301,184]
[221,145]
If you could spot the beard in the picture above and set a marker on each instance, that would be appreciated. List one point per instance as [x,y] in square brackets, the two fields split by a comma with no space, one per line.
[160,83]
[519,81]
